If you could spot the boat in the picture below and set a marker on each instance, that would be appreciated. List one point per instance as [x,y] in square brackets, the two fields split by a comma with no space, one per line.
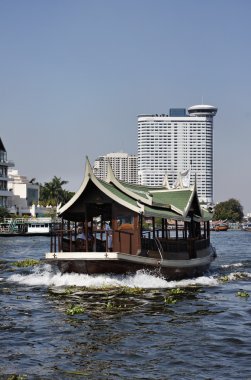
[246,227]
[112,216]
[221,227]
[40,226]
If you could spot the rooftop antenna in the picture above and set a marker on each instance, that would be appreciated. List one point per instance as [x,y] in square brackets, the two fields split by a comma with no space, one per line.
[202,102]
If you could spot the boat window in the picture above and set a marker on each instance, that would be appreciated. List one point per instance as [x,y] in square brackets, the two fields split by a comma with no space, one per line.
[124,219]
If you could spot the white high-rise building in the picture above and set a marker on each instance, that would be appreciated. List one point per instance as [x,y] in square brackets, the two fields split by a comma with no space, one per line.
[177,143]
[124,166]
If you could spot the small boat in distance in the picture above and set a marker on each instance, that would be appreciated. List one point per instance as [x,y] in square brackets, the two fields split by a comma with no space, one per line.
[40,226]
[221,227]
[103,230]
[246,227]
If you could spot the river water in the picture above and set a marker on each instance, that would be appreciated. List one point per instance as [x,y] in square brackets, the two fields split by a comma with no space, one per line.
[72,326]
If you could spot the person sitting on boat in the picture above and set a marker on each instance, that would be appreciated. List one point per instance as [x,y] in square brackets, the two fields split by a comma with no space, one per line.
[109,236]
[81,235]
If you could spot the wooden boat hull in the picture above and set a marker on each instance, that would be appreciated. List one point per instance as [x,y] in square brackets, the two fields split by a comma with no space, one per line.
[121,263]
[220,228]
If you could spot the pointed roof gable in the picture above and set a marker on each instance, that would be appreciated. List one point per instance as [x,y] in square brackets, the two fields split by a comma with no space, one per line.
[148,201]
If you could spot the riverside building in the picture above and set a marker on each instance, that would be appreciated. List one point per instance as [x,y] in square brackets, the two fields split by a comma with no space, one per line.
[175,143]
[5,194]
[124,166]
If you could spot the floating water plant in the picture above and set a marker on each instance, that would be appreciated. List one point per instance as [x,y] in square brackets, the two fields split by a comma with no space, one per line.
[170,300]
[111,306]
[242,294]
[131,291]
[239,276]
[177,291]
[26,263]
[72,310]
[69,290]
[224,278]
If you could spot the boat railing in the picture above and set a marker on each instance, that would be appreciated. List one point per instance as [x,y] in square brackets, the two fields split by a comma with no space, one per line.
[100,241]
[159,247]
[190,245]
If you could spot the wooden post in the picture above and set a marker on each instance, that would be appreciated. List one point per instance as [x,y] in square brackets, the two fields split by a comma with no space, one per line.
[153,223]
[176,228]
[51,247]
[141,225]
[71,242]
[185,227]
[208,229]
[86,234]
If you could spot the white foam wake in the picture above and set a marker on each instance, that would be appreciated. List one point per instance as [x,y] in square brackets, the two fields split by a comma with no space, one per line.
[44,276]
[234,265]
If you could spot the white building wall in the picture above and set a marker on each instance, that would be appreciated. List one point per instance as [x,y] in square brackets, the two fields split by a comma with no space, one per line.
[169,145]
[24,192]
[5,194]
[124,166]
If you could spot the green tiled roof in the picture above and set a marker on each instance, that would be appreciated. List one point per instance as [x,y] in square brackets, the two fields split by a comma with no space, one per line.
[161,213]
[140,189]
[163,200]
[177,198]
[206,215]
[119,193]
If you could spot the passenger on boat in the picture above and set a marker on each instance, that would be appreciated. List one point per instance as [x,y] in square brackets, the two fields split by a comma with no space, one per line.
[81,235]
[109,236]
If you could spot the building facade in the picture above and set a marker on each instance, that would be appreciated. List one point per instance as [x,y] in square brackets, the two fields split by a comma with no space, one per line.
[124,166]
[5,194]
[180,142]
[25,193]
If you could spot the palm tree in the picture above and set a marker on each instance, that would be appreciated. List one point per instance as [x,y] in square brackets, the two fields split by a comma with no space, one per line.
[53,193]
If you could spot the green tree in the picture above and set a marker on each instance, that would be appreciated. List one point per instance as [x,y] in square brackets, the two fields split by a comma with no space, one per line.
[53,193]
[230,210]
[4,213]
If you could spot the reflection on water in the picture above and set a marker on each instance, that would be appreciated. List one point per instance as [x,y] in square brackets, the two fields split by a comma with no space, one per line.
[125,327]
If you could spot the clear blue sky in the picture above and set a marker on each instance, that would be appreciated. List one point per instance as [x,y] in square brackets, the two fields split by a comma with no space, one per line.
[75,74]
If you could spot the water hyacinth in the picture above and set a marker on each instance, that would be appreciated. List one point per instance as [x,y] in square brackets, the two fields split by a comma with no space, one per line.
[242,294]
[26,263]
[72,310]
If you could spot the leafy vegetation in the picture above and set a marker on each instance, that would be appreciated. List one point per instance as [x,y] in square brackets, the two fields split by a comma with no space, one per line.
[72,310]
[230,210]
[242,294]
[26,263]
[4,213]
[52,192]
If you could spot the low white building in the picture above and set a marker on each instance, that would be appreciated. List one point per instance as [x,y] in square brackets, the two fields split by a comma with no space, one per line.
[25,193]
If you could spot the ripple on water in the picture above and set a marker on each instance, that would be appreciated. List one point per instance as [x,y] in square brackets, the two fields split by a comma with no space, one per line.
[130,327]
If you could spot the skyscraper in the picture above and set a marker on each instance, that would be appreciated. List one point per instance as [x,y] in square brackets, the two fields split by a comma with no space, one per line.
[124,166]
[175,143]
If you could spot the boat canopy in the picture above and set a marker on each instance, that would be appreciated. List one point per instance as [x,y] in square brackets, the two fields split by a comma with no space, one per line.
[163,202]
